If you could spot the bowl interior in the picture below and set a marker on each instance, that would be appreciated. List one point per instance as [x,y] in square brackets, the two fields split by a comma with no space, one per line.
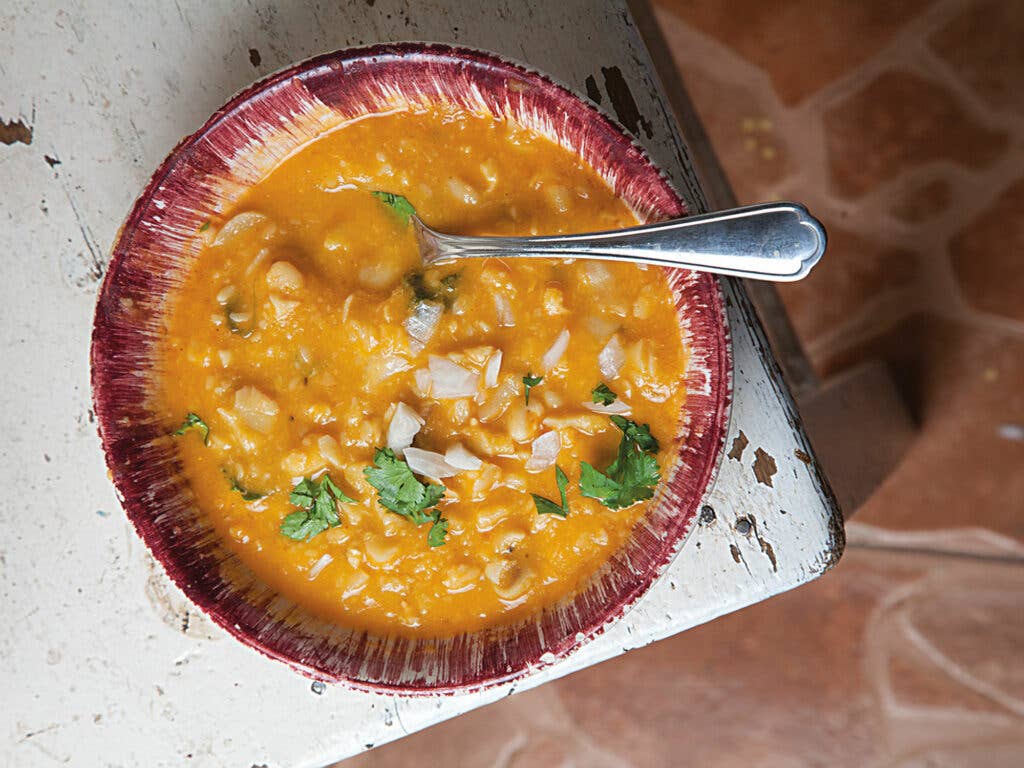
[203,177]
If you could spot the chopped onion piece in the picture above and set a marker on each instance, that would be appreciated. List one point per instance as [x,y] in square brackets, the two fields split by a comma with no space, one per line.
[601,327]
[403,428]
[617,408]
[460,458]
[544,451]
[611,358]
[318,566]
[256,409]
[555,352]
[423,381]
[500,399]
[330,450]
[451,380]
[504,308]
[492,370]
[393,364]
[463,191]
[422,323]
[428,463]
[597,274]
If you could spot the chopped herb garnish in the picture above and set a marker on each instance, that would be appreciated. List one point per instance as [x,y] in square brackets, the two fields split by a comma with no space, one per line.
[401,492]
[232,308]
[438,531]
[397,203]
[317,500]
[447,290]
[548,507]
[399,489]
[242,491]
[417,282]
[530,381]
[632,476]
[192,421]
[204,226]
[444,293]
[638,433]
[603,395]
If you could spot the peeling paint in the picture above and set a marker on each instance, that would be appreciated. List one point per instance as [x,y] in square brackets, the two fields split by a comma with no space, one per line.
[593,92]
[766,547]
[739,445]
[764,467]
[15,131]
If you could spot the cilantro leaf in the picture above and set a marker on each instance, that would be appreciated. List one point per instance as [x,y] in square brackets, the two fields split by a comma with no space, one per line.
[397,203]
[339,494]
[548,507]
[432,495]
[401,492]
[634,480]
[234,307]
[562,482]
[421,291]
[398,488]
[530,381]
[192,421]
[603,395]
[302,494]
[420,517]
[438,532]
[204,226]
[317,500]
[418,284]
[303,526]
[639,434]
[242,491]
[632,476]
[447,290]
[597,485]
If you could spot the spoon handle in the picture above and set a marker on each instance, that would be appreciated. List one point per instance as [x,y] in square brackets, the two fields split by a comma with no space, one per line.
[771,241]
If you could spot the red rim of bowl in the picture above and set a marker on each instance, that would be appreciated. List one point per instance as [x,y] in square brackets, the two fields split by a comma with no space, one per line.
[201,177]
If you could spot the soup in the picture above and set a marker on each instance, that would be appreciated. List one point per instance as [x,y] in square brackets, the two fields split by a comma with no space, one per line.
[420,451]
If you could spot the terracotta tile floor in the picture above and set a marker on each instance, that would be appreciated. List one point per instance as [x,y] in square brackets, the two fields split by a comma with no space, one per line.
[902,126]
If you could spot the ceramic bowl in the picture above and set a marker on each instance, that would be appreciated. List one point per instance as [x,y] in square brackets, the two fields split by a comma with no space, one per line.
[202,178]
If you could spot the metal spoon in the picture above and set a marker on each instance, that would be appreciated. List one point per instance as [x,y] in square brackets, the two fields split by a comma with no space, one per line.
[771,241]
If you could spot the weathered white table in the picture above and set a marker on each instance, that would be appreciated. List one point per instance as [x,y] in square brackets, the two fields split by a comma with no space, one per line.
[103,662]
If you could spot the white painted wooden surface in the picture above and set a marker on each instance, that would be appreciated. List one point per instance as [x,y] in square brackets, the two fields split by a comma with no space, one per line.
[103,663]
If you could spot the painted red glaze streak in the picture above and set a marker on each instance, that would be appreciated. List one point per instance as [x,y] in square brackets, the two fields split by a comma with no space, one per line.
[202,176]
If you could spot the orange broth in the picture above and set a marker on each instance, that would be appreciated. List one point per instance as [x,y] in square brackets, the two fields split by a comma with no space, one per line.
[289,339]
